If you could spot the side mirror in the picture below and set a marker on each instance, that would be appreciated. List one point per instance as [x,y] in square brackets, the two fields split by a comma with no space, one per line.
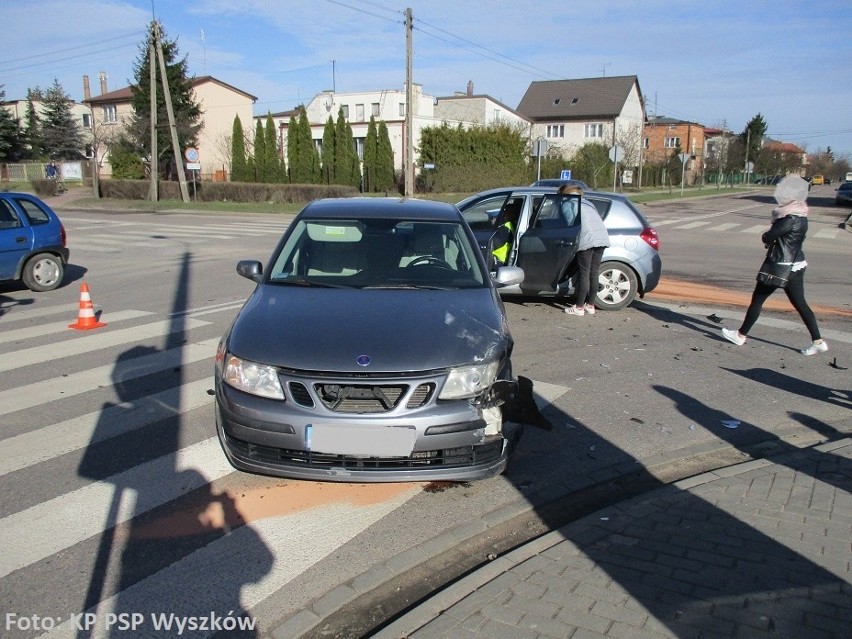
[508,276]
[251,269]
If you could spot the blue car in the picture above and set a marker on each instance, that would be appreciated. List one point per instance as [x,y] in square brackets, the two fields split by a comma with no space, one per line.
[32,242]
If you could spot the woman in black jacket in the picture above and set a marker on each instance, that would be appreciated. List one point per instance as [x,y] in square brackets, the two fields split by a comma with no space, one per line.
[784,243]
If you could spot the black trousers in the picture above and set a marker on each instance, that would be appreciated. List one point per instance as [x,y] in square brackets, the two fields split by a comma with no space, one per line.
[588,263]
[795,291]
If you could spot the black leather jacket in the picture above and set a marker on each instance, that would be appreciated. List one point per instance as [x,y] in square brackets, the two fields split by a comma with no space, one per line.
[784,239]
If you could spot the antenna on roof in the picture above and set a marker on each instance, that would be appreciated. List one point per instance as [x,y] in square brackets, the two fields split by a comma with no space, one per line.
[604,66]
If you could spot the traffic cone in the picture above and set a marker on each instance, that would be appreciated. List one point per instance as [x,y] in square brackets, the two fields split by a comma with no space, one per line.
[86,317]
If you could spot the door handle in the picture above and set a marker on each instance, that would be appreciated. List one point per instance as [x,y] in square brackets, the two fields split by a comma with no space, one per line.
[20,240]
[566,243]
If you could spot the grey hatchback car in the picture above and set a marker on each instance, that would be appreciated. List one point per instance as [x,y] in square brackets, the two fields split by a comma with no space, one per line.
[546,242]
[374,348]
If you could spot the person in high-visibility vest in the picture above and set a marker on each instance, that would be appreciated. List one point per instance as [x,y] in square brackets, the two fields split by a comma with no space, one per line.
[504,236]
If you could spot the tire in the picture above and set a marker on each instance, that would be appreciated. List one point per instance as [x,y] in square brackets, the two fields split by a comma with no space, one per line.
[617,286]
[43,272]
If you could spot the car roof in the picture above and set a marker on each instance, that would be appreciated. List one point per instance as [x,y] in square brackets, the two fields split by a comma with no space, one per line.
[545,190]
[378,207]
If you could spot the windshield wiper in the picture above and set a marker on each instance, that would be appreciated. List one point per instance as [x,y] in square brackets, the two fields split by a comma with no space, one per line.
[304,281]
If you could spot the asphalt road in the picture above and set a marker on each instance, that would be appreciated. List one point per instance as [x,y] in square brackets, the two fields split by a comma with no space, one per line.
[114,496]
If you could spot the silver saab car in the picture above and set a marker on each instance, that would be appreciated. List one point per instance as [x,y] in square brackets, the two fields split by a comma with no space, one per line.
[547,233]
[374,348]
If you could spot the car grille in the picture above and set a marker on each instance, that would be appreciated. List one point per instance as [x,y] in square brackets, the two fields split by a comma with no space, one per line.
[363,398]
[445,458]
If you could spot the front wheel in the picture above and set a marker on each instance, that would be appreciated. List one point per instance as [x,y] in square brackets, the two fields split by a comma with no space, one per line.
[617,286]
[43,272]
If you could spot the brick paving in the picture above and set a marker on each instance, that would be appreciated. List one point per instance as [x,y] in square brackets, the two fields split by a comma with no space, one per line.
[762,549]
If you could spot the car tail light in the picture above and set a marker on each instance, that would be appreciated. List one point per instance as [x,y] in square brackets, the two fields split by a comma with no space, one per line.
[650,236]
[62,235]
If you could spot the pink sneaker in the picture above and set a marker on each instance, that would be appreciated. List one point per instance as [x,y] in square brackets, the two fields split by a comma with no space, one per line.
[589,308]
[574,310]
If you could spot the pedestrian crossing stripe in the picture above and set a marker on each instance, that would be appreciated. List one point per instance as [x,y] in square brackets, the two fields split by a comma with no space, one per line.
[20,334]
[88,343]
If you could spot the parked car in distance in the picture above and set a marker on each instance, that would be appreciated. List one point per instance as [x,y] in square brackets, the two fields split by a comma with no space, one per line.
[32,242]
[843,194]
[374,348]
[546,242]
[817,180]
[557,183]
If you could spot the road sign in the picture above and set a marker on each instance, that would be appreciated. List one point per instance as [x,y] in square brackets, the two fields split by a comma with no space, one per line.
[627,177]
[616,154]
[191,154]
[565,175]
[193,166]
[683,157]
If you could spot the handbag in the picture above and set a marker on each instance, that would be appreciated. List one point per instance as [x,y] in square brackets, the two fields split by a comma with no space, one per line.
[774,273]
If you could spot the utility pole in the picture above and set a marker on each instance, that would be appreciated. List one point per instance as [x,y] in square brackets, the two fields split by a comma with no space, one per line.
[154,168]
[745,168]
[184,191]
[409,108]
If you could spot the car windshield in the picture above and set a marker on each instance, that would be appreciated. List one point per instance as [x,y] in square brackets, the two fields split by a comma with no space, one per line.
[377,253]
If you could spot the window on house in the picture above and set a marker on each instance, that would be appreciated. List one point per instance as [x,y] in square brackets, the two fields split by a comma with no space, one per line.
[90,151]
[555,131]
[402,109]
[646,143]
[110,114]
[374,109]
[672,143]
[345,109]
[593,131]
[87,120]
[359,112]
[359,148]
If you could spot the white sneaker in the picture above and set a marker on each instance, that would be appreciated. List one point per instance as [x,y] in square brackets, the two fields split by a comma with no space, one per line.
[813,349]
[574,310]
[589,308]
[734,336]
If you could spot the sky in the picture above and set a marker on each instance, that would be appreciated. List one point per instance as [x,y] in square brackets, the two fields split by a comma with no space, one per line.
[714,62]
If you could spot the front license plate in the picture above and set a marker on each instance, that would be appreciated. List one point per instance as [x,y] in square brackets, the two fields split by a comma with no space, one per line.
[368,441]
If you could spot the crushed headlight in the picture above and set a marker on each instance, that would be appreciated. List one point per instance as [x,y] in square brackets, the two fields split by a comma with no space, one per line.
[469,381]
[249,377]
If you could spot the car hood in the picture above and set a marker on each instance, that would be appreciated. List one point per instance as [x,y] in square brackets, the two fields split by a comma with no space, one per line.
[321,329]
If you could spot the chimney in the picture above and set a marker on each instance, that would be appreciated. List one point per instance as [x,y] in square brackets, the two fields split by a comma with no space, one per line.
[469,88]
[103,77]
[87,92]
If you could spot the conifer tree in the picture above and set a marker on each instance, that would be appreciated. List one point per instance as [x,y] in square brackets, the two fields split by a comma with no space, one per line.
[328,156]
[187,112]
[273,159]
[292,150]
[33,143]
[10,134]
[238,152]
[308,150]
[347,169]
[384,160]
[371,144]
[60,131]
[261,159]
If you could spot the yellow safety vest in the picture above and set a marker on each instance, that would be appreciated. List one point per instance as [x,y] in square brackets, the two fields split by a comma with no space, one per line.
[502,252]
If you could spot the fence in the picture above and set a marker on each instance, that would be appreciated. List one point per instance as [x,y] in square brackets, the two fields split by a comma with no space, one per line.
[28,171]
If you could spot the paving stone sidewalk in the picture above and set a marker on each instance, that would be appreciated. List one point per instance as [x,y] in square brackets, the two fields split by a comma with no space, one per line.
[761,549]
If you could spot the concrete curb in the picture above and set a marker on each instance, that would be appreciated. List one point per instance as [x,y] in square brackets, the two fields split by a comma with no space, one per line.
[428,610]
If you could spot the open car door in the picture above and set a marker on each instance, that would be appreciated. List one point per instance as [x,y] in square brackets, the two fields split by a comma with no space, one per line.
[549,243]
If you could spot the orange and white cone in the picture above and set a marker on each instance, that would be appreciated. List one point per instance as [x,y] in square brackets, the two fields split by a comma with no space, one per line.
[86,316]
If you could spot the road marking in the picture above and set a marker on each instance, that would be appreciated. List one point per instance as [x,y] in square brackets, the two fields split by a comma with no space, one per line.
[826,234]
[57,388]
[61,522]
[724,227]
[97,341]
[756,229]
[28,449]
[61,327]
[693,225]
